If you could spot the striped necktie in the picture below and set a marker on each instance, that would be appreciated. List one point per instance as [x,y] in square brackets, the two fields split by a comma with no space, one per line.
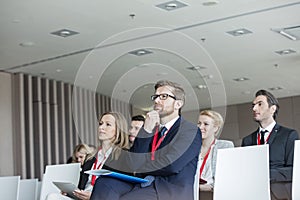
[162,131]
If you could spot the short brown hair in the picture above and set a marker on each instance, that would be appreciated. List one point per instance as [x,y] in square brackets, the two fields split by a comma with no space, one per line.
[176,89]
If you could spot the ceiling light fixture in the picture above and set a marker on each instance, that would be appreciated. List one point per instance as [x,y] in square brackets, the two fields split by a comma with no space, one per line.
[140,52]
[292,32]
[196,68]
[239,32]
[201,87]
[171,5]
[285,52]
[276,88]
[208,76]
[27,44]
[64,33]
[210,3]
[241,79]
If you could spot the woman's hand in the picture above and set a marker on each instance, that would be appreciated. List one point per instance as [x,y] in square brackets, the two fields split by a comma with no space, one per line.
[81,194]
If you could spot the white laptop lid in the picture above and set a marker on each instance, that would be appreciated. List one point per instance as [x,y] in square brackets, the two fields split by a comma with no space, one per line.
[242,173]
[9,187]
[61,173]
[296,172]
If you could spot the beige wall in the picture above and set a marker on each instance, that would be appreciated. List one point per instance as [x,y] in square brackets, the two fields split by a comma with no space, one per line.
[6,136]
[239,122]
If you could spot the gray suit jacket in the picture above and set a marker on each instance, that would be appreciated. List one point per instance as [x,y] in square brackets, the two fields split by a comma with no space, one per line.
[219,144]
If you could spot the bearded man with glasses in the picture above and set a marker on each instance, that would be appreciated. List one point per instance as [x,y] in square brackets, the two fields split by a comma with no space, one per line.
[165,153]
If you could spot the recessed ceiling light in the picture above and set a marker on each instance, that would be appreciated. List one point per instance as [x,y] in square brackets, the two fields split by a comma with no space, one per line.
[140,52]
[241,79]
[64,33]
[208,76]
[171,5]
[275,88]
[197,67]
[285,52]
[292,33]
[58,70]
[27,44]
[239,32]
[201,87]
[210,3]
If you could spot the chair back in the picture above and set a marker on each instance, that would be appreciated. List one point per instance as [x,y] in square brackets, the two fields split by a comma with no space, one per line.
[241,170]
[9,187]
[28,189]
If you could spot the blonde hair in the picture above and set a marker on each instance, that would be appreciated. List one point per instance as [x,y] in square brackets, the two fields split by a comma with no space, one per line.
[84,149]
[217,120]
[120,141]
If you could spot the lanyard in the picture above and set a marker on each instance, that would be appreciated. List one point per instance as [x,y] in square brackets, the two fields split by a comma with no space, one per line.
[97,167]
[155,143]
[258,138]
[205,157]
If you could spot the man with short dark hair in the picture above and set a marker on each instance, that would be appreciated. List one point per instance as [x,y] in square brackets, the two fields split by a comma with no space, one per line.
[136,124]
[281,141]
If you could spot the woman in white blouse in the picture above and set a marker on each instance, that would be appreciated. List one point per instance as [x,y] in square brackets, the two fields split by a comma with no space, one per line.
[210,124]
[112,138]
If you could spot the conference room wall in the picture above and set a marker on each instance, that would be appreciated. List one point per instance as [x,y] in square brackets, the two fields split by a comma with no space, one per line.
[15,150]
[48,118]
[6,137]
[239,121]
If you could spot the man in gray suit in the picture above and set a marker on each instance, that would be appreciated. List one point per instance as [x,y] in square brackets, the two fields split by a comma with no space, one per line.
[281,143]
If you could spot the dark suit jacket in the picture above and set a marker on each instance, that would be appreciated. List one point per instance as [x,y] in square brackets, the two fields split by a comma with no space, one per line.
[83,176]
[281,151]
[175,161]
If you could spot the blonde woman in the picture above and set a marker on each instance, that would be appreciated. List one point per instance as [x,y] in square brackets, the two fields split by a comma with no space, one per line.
[112,138]
[210,124]
[81,153]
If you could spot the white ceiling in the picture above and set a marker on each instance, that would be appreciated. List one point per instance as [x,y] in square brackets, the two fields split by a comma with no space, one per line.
[195,35]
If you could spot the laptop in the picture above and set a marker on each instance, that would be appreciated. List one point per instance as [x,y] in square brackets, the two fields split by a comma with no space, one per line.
[59,173]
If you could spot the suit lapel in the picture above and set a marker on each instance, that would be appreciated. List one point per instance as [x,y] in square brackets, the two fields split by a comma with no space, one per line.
[273,134]
[254,137]
[172,132]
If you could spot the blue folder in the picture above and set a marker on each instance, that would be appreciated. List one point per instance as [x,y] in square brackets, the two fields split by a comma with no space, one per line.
[125,177]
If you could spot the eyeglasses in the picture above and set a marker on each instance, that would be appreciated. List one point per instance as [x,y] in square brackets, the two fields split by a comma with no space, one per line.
[162,96]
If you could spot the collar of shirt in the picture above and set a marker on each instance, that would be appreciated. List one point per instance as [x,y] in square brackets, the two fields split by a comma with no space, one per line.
[268,128]
[169,124]
[101,156]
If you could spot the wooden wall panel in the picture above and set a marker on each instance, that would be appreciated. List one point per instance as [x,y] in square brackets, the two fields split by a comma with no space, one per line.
[51,119]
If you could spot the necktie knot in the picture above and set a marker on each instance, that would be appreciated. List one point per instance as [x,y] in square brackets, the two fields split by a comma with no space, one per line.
[262,136]
[162,131]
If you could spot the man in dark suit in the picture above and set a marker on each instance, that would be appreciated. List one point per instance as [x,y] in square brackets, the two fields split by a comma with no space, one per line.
[168,161]
[281,143]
